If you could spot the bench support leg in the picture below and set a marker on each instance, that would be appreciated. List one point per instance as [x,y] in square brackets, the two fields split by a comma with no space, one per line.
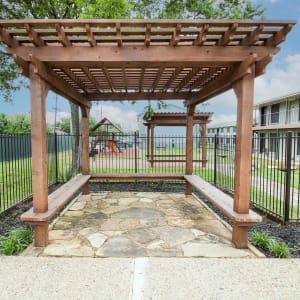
[240,236]
[86,189]
[40,234]
[188,188]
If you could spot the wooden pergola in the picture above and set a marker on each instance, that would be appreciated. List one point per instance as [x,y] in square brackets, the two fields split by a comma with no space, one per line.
[174,119]
[100,60]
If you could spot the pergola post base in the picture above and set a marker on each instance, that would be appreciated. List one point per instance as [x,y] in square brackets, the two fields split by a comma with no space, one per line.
[240,236]
[40,234]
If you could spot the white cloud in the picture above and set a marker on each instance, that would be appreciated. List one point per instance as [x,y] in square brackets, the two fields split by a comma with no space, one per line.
[50,116]
[127,119]
[279,81]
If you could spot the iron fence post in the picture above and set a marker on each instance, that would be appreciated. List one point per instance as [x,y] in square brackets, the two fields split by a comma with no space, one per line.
[56,157]
[135,153]
[215,159]
[287,188]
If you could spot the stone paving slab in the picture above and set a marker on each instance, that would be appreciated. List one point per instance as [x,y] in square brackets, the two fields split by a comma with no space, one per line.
[31,278]
[138,224]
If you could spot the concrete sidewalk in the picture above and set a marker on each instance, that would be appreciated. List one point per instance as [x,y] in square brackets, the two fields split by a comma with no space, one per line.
[148,278]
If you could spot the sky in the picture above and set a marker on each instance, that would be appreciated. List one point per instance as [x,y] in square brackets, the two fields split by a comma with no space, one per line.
[282,77]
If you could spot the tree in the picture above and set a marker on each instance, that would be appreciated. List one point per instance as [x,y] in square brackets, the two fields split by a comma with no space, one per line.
[195,9]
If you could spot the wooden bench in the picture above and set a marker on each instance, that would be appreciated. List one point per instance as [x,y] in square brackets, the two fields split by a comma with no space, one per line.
[56,202]
[224,202]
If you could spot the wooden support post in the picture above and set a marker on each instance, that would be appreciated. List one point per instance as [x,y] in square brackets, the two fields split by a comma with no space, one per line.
[152,146]
[244,89]
[204,146]
[85,146]
[38,93]
[189,146]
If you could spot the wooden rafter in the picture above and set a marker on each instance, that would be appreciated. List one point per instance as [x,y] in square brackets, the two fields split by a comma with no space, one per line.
[71,75]
[91,38]
[91,78]
[228,35]
[57,84]
[62,37]
[224,82]
[33,36]
[148,35]
[202,35]
[176,33]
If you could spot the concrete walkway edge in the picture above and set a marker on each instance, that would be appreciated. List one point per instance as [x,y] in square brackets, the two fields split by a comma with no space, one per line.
[148,278]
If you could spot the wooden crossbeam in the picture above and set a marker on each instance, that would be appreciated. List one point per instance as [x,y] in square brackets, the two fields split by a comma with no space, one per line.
[118,33]
[91,38]
[176,35]
[7,38]
[260,66]
[57,84]
[279,37]
[138,55]
[62,36]
[224,82]
[253,36]
[148,35]
[22,64]
[226,38]
[119,96]
[202,35]
[33,36]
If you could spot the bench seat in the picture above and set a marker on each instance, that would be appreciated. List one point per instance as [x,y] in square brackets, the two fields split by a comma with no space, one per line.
[222,201]
[57,200]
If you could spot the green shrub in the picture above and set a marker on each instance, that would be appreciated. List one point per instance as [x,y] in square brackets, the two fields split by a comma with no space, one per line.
[279,249]
[16,241]
[261,240]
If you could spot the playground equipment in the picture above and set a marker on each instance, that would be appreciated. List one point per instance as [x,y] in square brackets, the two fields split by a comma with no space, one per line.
[103,136]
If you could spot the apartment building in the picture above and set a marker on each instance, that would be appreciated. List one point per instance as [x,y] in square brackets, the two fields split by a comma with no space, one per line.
[272,119]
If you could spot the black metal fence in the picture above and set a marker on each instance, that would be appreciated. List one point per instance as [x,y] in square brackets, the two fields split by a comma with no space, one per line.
[275,165]
[274,174]
[16,167]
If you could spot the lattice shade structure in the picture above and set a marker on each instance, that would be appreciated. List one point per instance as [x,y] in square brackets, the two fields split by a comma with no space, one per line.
[106,59]
[87,60]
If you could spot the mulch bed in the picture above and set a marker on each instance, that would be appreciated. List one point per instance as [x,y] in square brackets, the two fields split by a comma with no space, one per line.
[289,234]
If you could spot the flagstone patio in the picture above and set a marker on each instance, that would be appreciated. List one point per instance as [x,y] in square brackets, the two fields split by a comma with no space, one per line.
[135,224]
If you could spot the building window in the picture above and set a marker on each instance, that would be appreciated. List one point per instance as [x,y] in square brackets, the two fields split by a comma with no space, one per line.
[275,113]
[228,129]
[263,116]
[273,142]
[262,143]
